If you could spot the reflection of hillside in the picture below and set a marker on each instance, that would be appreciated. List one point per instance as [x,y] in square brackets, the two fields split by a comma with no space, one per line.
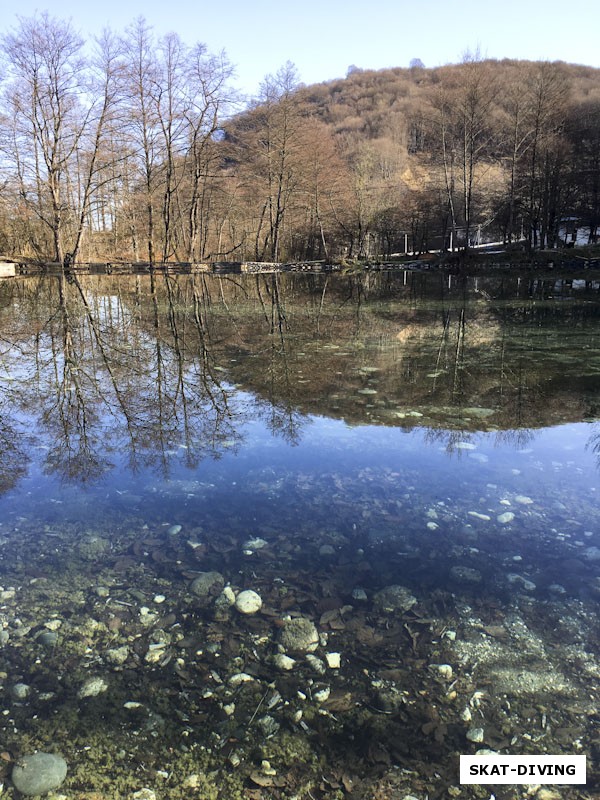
[143,367]
[405,351]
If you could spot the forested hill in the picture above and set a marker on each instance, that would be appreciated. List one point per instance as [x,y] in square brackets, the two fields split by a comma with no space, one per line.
[127,148]
[383,104]
[428,158]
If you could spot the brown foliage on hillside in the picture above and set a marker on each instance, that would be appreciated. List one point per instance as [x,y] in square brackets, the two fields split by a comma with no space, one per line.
[151,163]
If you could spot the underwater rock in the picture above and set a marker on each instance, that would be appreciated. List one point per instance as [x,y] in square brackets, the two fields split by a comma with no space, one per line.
[48,638]
[528,586]
[475,735]
[92,688]
[394,598]
[477,515]
[224,602]
[333,660]
[207,585]
[283,662]
[92,547]
[248,602]
[321,695]
[117,655]
[39,773]
[299,635]
[465,574]
[315,664]
[523,500]
[592,553]
[505,518]
[326,550]
[443,670]
[239,678]
[20,691]
[256,543]
[144,794]
[268,726]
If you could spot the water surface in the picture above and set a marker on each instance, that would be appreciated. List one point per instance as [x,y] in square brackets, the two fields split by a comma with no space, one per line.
[316,439]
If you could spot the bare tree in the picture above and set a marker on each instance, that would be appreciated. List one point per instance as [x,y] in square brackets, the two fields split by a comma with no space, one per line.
[461,104]
[96,163]
[209,97]
[541,163]
[43,97]
[143,124]
[270,145]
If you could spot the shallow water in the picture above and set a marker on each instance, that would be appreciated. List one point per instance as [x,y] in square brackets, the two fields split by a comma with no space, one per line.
[368,431]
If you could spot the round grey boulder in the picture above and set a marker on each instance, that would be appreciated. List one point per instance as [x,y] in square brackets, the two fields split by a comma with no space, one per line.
[299,635]
[39,773]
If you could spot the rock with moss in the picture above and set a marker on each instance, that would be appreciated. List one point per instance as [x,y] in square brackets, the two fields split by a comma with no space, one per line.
[299,635]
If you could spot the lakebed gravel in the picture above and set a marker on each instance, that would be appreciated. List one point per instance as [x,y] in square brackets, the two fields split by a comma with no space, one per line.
[342,692]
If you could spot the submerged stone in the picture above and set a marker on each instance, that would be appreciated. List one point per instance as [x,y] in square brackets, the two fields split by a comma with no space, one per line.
[592,553]
[505,518]
[248,602]
[92,547]
[92,688]
[523,500]
[475,735]
[281,661]
[394,598]
[465,574]
[39,773]
[299,635]
[207,585]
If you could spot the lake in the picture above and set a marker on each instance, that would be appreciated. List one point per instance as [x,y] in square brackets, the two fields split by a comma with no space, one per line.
[298,535]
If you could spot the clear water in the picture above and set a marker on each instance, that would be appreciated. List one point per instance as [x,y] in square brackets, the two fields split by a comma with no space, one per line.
[416,425]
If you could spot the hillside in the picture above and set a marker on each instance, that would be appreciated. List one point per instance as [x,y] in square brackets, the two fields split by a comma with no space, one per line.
[465,153]
[151,166]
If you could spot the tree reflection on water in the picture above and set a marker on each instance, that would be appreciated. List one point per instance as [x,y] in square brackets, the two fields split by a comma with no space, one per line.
[163,367]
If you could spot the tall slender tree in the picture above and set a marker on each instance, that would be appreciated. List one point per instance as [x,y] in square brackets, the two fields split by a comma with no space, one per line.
[44,96]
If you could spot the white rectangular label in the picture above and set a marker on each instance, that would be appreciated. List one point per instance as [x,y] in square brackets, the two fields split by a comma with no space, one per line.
[522,769]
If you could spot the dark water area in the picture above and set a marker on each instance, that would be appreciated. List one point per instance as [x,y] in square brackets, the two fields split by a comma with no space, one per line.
[407,465]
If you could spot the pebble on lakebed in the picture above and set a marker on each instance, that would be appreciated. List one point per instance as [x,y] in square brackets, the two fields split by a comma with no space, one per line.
[39,773]
[248,602]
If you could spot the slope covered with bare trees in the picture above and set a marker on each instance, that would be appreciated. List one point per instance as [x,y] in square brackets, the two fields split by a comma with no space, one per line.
[133,147]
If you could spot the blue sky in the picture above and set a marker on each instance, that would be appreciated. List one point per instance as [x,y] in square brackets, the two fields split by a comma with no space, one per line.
[323,37]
